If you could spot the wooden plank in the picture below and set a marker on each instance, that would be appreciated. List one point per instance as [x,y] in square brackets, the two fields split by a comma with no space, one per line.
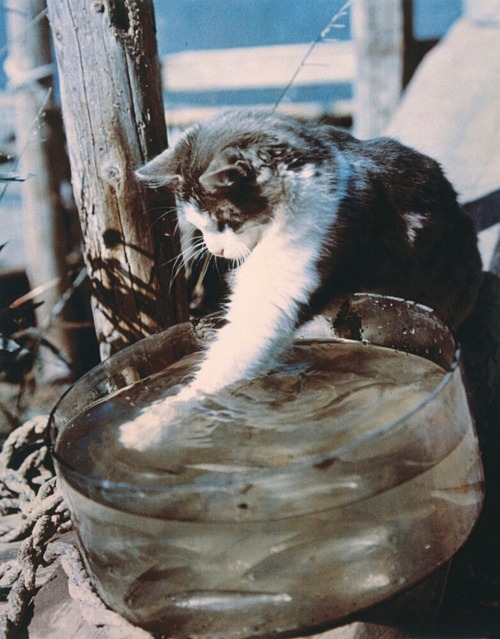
[185,116]
[378,41]
[258,67]
[40,144]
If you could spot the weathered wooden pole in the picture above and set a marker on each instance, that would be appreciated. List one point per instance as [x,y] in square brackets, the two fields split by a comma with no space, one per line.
[114,120]
[377,28]
[40,153]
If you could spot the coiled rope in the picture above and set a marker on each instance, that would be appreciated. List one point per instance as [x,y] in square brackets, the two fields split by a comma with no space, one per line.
[34,517]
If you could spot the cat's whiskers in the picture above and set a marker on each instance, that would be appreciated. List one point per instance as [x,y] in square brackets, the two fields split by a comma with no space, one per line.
[164,213]
[178,266]
[198,288]
[192,249]
[237,261]
[189,257]
[195,253]
[217,264]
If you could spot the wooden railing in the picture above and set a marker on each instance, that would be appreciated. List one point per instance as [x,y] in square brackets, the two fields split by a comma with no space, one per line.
[257,68]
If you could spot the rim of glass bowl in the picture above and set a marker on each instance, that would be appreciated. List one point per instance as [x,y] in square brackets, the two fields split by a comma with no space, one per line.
[223,480]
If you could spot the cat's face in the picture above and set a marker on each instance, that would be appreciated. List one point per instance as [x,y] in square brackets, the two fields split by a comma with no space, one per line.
[224,193]
[235,175]
[227,204]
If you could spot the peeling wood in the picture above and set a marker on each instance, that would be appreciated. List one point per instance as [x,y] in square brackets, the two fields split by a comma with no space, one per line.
[113,113]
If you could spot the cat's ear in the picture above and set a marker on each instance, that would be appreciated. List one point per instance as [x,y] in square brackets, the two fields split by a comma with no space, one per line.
[226,171]
[160,171]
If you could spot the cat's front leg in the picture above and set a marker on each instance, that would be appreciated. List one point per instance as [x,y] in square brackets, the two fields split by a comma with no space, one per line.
[235,354]
[269,289]
[155,421]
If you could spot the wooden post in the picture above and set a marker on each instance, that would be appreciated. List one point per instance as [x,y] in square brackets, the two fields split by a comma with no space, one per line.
[485,12]
[41,154]
[378,40]
[113,114]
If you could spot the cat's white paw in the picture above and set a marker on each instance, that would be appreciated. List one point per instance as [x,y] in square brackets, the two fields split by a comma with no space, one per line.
[146,430]
[151,425]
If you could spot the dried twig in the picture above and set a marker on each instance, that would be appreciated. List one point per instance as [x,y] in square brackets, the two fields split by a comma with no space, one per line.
[321,38]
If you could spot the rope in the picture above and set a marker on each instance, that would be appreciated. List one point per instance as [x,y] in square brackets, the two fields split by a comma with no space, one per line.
[25,466]
[81,590]
[30,495]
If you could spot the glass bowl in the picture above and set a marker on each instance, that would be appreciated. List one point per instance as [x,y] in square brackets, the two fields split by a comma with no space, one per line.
[292,502]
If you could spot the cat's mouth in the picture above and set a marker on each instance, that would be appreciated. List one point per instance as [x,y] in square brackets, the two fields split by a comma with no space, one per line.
[238,256]
[232,246]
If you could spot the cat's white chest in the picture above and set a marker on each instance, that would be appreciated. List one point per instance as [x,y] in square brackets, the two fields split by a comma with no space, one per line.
[279,273]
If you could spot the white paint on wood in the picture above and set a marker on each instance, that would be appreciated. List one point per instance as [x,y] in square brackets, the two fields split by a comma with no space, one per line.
[378,40]
[29,70]
[186,116]
[258,67]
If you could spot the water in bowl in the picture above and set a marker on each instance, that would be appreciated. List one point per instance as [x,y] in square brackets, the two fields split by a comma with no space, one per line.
[281,504]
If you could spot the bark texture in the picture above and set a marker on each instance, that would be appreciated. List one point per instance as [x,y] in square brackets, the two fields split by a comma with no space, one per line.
[113,114]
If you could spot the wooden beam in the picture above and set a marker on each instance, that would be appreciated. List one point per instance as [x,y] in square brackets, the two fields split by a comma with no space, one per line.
[378,41]
[258,67]
[113,113]
[40,153]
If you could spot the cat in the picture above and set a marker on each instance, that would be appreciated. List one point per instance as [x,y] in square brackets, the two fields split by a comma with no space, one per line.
[306,212]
